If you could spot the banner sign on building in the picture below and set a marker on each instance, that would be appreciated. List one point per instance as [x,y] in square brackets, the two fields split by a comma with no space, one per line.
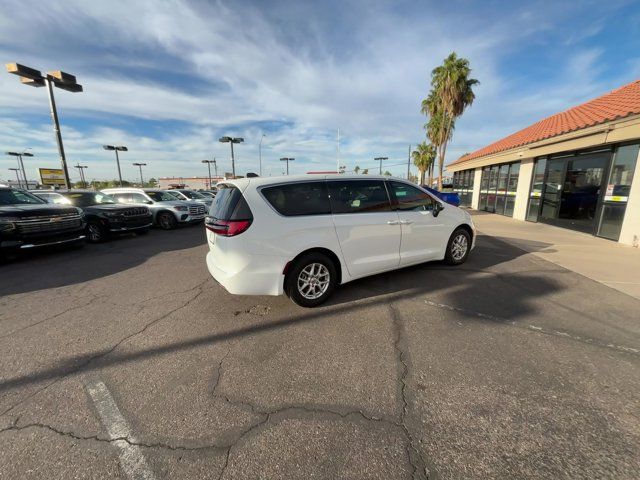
[52,177]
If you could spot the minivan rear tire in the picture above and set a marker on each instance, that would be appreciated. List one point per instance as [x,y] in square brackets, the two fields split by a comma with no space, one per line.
[314,266]
[459,239]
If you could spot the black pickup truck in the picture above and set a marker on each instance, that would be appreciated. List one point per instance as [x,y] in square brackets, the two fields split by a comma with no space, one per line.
[104,216]
[28,222]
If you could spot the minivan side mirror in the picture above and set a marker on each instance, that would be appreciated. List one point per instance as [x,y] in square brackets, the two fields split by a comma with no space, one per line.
[437,208]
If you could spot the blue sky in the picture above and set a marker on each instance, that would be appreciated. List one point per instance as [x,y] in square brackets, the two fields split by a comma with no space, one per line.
[168,78]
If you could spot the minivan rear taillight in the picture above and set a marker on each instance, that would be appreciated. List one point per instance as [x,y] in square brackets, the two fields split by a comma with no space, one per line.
[227,228]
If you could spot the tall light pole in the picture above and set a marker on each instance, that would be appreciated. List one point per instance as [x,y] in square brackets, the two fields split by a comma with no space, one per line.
[380,159]
[287,159]
[17,170]
[19,155]
[215,165]
[81,169]
[232,140]
[62,80]
[260,152]
[140,165]
[116,148]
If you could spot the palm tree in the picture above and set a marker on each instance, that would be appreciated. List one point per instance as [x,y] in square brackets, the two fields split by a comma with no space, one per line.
[451,93]
[357,169]
[423,158]
[439,131]
[365,171]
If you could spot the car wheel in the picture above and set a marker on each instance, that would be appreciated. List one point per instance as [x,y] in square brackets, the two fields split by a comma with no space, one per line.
[311,280]
[96,232]
[458,247]
[167,221]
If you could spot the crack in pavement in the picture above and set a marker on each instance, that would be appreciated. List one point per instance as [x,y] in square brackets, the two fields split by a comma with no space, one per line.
[422,469]
[555,333]
[77,368]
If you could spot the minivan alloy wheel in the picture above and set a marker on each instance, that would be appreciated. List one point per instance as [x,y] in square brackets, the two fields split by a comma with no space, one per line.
[459,247]
[313,281]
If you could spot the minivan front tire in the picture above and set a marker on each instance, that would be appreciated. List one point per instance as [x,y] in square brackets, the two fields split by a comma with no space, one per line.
[311,280]
[458,247]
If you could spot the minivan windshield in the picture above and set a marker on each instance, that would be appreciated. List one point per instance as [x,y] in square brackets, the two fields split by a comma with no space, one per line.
[18,197]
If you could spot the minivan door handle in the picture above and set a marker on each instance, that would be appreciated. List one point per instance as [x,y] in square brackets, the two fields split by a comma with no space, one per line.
[393,222]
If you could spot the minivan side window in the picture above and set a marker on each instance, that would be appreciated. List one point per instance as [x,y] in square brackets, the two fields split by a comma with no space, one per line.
[358,196]
[409,198]
[122,197]
[295,199]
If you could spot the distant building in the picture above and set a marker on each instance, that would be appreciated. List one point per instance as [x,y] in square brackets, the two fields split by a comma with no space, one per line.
[194,183]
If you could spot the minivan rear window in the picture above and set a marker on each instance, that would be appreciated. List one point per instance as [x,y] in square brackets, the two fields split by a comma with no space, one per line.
[229,204]
[302,198]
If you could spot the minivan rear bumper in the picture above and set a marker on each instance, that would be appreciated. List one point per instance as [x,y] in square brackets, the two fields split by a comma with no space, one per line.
[254,275]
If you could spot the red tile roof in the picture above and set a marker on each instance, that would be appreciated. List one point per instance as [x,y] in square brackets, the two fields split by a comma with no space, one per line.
[616,104]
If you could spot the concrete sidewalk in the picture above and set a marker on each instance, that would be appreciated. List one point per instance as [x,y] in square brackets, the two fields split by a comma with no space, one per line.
[607,262]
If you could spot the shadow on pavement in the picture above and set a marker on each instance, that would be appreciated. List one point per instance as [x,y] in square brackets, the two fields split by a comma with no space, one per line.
[471,282]
[74,266]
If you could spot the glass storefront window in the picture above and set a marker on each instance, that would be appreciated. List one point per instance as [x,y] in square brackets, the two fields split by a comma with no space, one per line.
[463,185]
[617,190]
[536,189]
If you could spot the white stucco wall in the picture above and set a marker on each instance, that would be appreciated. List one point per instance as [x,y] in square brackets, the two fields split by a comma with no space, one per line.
[475,196]
[522,193]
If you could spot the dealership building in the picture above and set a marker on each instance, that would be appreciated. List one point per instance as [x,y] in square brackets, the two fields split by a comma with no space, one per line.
[578,169]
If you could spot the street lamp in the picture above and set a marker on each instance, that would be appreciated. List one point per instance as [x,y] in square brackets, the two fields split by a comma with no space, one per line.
[215,166]
[232,140]
[117,149]
[287,159]
[81,169]
[19,155]
[260,152]
[62,80]
[140,165]
[17,170]
[380,159]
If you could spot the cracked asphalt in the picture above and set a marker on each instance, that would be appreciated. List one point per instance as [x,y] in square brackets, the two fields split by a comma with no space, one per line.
[505,367]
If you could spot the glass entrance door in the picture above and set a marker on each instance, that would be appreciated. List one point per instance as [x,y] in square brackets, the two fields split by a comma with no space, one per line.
[572,191]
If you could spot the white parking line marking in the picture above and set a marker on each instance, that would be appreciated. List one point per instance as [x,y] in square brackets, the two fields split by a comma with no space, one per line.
[132,460]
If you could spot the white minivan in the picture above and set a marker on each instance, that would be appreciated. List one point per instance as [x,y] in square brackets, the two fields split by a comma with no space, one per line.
[304,235]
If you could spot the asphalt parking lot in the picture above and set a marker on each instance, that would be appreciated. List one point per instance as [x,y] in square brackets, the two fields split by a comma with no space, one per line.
[126,360]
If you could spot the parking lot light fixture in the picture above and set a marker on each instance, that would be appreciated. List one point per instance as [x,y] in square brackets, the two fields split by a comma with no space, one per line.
[232,140]
[59,79]
[81,169]
[117,148]
[215,166]
[140,165]
[17,170]
[19,156]
[287,159]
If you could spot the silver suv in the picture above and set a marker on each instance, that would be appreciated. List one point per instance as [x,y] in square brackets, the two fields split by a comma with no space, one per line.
[191,196]
[167,211]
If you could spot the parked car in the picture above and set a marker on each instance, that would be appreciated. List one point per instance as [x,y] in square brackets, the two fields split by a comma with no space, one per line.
[304,235]
[104,216]
[168,212]
[207,193]
[452,198]
[27,222]
[191,195]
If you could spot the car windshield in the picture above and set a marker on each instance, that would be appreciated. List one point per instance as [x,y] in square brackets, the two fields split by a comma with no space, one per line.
[162,196]
[86,199]
[54,198]
[175,194]
[18,197]
[192,194]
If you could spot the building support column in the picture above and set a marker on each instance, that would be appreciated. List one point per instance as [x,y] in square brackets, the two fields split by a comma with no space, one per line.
[475,195]
[630,233]
[524,185]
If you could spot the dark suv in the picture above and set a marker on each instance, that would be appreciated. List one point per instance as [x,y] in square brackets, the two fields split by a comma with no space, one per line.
[27,222]
[103,214]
